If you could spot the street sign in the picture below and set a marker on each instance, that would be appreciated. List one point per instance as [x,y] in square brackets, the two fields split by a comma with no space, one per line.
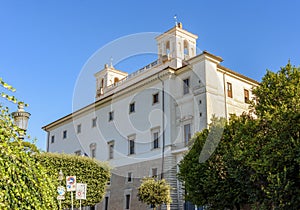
[71,183]
[60,197]
[81,191]
[61,190]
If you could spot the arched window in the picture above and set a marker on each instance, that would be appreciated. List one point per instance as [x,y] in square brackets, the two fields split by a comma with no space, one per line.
[186,47]
[192,52]
[102,83]
[116,79]
[168,47]
[93,147]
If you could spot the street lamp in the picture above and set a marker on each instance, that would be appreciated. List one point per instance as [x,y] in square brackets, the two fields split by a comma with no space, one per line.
[21,119]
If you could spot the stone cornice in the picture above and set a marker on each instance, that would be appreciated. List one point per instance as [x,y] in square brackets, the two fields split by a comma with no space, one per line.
[237,75]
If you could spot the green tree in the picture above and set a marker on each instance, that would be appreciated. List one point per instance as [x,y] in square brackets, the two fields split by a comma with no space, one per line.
[216,182]
[154,192]
[257,160]
[277,144]
[24,182]
[87,170]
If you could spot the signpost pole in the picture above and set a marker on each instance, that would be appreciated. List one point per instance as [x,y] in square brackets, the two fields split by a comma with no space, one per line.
[71,200]
[80,204]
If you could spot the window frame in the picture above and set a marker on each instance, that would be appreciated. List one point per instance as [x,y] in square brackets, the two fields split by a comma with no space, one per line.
[246,96]
[131,147]
[127,201]
[229,90]
[155,139]
[131,144]
[155,98]
[129,178]
[187,136]
[106,202]
[111,146]
[93,147]
[78,129]
[132,107]
[94,122]
[111,116]
[65,134]
[52,139]
[154,175]
[186,86]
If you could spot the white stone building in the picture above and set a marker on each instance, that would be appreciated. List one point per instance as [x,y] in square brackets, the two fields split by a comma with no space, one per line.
[141,122]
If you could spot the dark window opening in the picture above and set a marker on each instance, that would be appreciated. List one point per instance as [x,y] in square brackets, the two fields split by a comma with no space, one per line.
[246,95]
[155,98]
[229,90]
[131,147]
[131,107]
[186,86]
[155,140]
[127,202]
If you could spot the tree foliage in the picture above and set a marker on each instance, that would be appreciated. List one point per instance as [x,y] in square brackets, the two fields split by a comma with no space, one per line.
[24,182]
[87,170]
[257,160]
[154,192]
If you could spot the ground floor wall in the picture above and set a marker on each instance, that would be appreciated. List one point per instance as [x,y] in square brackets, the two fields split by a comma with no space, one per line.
[123,189]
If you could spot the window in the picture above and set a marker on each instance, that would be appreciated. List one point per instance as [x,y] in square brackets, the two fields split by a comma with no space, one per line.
[129,177]
[79,128]
[94,122]
[109,181]
[111,145]
[127,200]
[229,90]
[52,139]
[93,150]
[131,146]
[116,79]
[102,83]
[78,152]
[64,134]
[155,98]
[187,133]
[155,140]
[246,95]
[111,116]
[154,172]
[106,203]
[132,107]
[186,47]
[186,86]
[168,47]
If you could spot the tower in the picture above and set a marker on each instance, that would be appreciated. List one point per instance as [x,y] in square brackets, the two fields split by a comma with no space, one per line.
[107,77]
[176,45]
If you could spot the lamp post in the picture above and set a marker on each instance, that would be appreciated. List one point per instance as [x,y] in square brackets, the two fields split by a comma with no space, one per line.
[60,178]
[21,120]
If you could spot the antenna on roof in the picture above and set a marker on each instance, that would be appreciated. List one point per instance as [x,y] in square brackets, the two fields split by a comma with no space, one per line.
[175,18]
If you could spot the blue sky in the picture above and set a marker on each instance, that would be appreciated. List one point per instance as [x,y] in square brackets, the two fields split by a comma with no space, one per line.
[45,44]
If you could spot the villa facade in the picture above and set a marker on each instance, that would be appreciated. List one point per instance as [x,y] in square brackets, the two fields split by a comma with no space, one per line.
[141,122]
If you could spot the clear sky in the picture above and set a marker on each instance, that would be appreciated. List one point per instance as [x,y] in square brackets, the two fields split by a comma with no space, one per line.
[45,44]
